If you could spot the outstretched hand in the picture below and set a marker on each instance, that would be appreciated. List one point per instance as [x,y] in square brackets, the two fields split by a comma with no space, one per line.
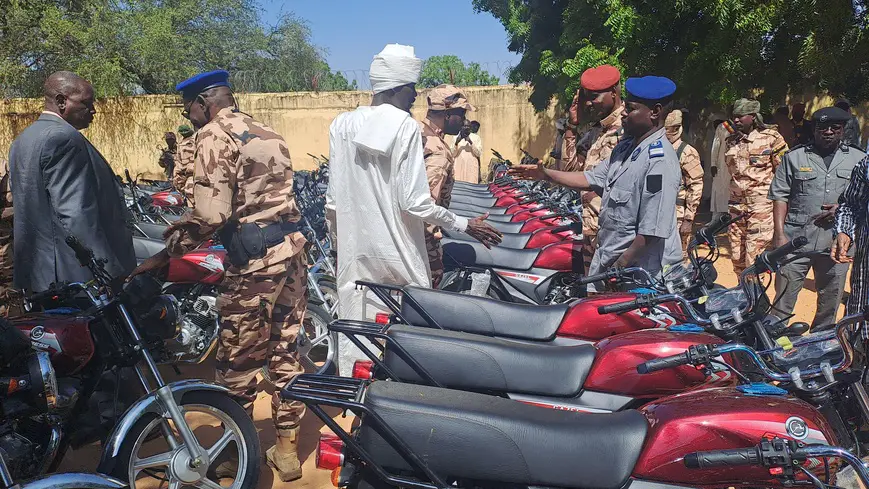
[528,172]
[483,232]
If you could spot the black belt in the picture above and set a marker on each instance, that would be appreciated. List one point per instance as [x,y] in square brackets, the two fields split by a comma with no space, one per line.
[274,233]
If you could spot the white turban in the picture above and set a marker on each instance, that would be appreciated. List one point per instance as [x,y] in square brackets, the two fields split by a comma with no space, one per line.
[393,67]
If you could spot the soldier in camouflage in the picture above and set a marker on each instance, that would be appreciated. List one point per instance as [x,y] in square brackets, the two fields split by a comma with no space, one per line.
[183,179]
[6,256]
[446,115]
[753,154]
[691,189]
[601,100]
[243,180]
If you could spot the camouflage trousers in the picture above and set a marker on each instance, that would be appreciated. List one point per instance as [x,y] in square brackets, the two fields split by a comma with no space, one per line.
[5,269]
[261,316]
[590,227]
[435,254]
[685,237]
[751,235]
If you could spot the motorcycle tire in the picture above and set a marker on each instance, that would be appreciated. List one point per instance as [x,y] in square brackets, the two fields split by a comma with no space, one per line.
[212,401]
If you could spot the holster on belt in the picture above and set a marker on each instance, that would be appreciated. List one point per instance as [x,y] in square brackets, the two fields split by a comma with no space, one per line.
[249,241]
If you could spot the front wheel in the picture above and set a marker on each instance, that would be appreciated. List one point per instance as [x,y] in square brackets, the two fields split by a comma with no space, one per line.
[155,451]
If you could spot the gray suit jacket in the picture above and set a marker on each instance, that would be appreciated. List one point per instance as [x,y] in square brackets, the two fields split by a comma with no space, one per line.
[63,186]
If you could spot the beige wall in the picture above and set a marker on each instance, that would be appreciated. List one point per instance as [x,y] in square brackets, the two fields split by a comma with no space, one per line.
[129,131]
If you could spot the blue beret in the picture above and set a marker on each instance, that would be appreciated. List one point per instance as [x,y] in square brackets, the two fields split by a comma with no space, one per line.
[192,87]
[651,88]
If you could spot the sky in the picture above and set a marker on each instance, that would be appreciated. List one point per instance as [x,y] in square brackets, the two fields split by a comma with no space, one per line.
[353,31]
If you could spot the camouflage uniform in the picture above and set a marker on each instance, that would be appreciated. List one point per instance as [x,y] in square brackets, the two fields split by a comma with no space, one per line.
[183,179]
[439,167]
[5,237]
[691,189]
[242,168]
[752,161]
[605,138]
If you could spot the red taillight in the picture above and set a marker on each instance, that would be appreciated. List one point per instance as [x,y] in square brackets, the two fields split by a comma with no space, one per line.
[330,452]
[362,369]
[381,318]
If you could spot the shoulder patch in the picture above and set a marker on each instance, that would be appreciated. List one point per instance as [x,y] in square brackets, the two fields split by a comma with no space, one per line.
[654,183]
[779,148]
[656,149]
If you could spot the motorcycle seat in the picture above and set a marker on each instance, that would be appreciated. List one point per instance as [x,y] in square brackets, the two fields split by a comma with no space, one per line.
[471,253]
[483,316]
[478,209]
[151,230]
[492,219]
[146,247]
[485,364]
[473,200]
[470,436]
[515,241]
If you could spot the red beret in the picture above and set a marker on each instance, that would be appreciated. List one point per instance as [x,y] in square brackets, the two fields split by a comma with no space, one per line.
[601,78]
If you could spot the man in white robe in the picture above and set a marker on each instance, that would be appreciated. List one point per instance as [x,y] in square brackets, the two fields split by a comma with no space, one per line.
[378,191]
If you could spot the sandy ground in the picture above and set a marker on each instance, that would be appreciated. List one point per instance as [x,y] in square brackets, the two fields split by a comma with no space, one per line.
[85,459]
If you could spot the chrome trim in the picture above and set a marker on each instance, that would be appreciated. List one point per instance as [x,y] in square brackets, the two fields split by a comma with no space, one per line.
[49,379]
[858,465]
[51,449]
[148,404]
[74,481]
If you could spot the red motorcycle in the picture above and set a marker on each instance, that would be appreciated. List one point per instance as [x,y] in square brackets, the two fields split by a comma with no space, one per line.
[749,436]
[597,377]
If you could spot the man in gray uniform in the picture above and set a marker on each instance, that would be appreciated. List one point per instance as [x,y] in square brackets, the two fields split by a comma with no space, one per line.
[805,194]
[640,182]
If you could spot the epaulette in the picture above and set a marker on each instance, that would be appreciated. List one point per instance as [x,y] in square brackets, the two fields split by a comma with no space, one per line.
[656,149]
[799,146]
[858,148]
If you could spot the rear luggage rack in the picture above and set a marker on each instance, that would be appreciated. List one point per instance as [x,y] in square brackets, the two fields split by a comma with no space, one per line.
[345,393]
[373,331]
[385,294]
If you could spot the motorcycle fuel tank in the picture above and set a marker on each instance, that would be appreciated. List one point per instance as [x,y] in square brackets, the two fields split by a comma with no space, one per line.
[547,236]
[199,266]
[717,419]
[167,198]
[583,322]
[66,339]
[564,257]
[615,366]
[536,223]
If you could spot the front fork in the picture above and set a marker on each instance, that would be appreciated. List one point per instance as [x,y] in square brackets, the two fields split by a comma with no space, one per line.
[198,456]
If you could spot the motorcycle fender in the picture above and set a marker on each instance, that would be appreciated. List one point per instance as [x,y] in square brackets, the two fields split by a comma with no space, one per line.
[73,481]
[146,405]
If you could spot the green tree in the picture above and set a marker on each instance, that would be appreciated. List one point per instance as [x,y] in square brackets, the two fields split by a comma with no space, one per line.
[450,69]
[147,46]
[715,50]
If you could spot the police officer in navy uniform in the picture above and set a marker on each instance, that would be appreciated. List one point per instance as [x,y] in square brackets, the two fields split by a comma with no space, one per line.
[640,183]
[805,194]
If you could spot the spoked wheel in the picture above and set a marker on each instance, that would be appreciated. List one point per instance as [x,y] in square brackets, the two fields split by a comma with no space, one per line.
[148,458]
[330,292]
[315,344]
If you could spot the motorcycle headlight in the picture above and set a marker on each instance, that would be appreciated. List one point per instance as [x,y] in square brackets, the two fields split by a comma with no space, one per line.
[41,371]
[161,318]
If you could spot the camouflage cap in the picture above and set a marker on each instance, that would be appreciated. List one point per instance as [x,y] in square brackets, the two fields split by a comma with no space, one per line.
[446,97]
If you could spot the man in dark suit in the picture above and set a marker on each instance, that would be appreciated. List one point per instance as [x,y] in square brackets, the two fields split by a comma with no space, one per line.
[63,186]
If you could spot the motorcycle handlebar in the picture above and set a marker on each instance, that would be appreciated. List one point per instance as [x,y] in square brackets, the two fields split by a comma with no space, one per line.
[598,277]
[82,253]
[707,233]
[769,260]
[663,363]
[620,307]
[723,458]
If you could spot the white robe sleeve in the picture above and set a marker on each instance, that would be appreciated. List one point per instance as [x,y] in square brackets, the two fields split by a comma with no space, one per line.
[333,153]
[413,191]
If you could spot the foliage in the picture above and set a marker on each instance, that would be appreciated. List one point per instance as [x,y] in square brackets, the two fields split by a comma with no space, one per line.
[715,50]
[147,46]
[450,69]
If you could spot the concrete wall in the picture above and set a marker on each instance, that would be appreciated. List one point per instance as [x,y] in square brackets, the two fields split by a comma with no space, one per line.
[129,131]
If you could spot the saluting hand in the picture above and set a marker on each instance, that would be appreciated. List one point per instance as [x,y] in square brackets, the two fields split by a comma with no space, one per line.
[528,172]
[483,232]
[839,252]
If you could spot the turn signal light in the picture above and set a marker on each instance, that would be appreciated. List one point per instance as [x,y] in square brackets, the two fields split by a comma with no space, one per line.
[362,369]
[330,452]
[381,318]
[776,471]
